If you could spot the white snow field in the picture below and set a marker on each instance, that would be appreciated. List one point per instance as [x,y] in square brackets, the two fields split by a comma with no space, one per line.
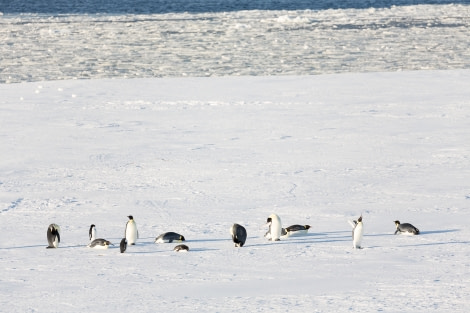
[195,155]
[203,136]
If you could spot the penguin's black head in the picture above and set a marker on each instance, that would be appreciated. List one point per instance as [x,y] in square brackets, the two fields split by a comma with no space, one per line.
[130,217]
[91,226]
[397,222]
[359,219]
[269,220]
[307,226]
[182,238]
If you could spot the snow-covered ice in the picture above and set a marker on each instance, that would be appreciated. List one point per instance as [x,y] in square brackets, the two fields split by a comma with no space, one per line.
[38,47]
[195,155]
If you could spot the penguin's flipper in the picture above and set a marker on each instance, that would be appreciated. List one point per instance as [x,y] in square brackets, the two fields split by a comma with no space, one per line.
[352,223]
[397,231]
[58,237]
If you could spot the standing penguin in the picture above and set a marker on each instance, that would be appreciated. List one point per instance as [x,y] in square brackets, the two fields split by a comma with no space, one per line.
[131,233]
[406,229]
[238,233]
[357,233]
[92,232]
[53,236]
[275,227]
[123,245]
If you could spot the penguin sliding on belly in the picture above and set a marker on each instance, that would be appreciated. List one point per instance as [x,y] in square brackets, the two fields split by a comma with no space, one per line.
[238,233]
[181,248]
[275,227]
[169,237]
[406,229]
[131,234]
[97,243]
[357,233]
[53,236]
[295,230]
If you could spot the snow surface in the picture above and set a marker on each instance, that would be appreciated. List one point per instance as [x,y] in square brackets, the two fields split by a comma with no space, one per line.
[195,155]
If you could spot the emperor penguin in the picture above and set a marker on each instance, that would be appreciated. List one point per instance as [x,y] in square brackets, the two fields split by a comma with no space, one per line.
[406,229]
[99,243]
[131,233]
[92,232]
[53,236]
[275,227]
[181,248]
[123,245]
[169,237]
[295,230]
[238,233]
[357,233]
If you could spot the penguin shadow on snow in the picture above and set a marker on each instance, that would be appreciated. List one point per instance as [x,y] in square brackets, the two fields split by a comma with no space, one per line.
[202,249]
[208,240]
[421,234]
[332,236]
[437,244]
[22,247]
[310,238]
[442,231]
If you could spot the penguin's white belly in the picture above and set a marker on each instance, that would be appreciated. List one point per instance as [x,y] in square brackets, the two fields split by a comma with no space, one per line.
[161,240]
[276,230]
[358,233]
[301,232]
[100,247]
[131,233]
[55,243]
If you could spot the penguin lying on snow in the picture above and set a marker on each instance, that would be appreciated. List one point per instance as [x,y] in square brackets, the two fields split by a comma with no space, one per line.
[181,248]
[295,230]
[97,243]
[53,236]
[406,229]
[238,233]
[131,234]
[169,237]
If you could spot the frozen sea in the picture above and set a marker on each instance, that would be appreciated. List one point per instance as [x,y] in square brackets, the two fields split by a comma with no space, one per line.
[132,39]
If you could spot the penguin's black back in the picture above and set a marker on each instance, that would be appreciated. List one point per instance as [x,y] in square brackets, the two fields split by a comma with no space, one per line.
[123,245]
